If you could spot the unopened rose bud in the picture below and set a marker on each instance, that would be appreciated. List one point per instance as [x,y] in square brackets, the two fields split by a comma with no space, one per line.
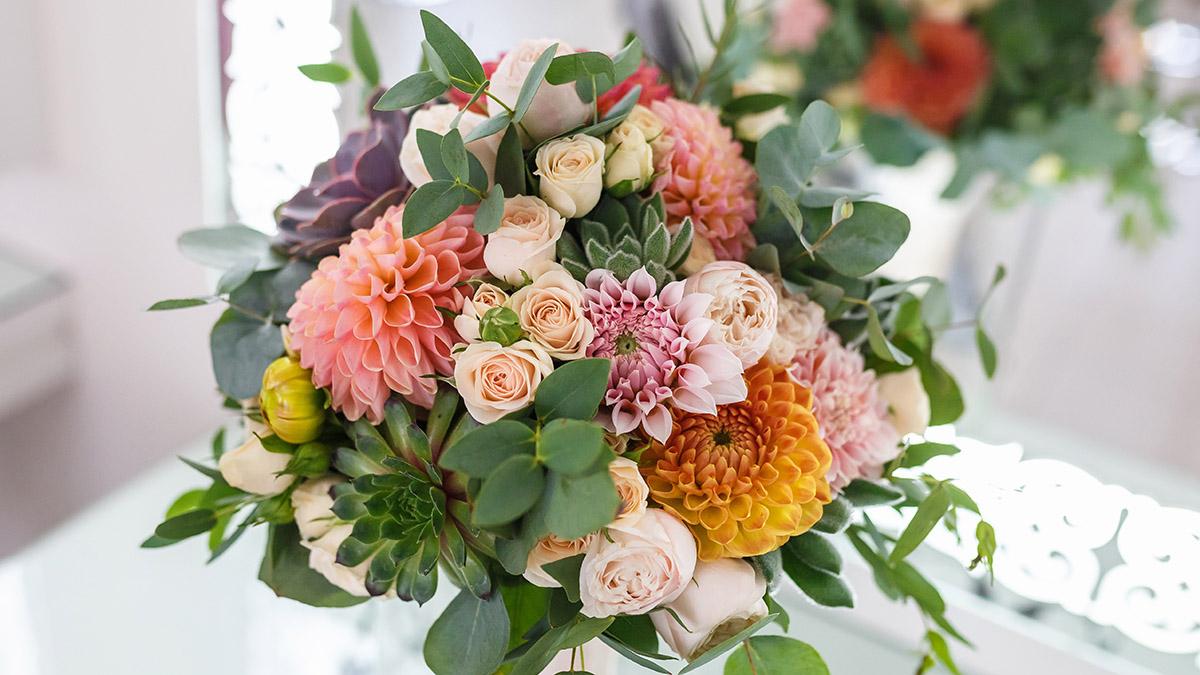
[629,160]
[291,404]
[500,324]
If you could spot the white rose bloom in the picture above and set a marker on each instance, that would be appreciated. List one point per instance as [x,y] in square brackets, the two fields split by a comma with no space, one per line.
[572,173]
[632,490]
[552,549]
[551,313]
[485,297]
[437,118]
[800,322]
[628,157]
[321,534]
[724,598]
[744,309]
[556,108]
[635,569]
[495,381]
[754,126]
[526,239]
[908,404]
[254,469]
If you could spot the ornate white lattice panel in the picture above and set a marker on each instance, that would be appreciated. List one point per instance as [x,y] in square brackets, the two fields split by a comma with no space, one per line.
[1065,538]
[280,123]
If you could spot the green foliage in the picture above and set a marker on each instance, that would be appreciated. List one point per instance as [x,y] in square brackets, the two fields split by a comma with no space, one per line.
[573,391]
[285,570]
[775,655]
[413,90]
[926,518]
[333,73]
[895,140]
[361,49]
[470,637]
[229,245]
[461,63]
[717,650]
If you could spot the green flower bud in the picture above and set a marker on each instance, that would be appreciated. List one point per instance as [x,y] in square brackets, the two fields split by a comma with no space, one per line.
[500,324]
[291,405]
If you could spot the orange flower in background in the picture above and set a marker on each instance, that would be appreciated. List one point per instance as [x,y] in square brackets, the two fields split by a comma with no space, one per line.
[938,90]
[749,477]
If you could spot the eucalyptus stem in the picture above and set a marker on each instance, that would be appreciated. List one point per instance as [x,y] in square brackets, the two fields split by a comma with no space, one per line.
[248,312]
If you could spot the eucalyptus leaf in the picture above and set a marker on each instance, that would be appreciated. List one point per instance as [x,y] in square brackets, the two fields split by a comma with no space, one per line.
[533,81]
[413,90]
[431,204]
[333,73]
[918,454]
[579,506]
[923,521]
[286,571]
[864,493]
[460,61]
[571,447]
[490,211]
[181,303]
[508,491]
[574,390]
[360,47]
[227,246]
[775,655]
[242,348]
[481,450]
[470,637]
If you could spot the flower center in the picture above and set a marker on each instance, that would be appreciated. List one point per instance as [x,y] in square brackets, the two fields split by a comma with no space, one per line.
[722,437]
[625,344]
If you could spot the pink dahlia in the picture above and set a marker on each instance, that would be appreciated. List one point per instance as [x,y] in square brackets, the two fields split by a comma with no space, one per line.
[850,413]
[704,176]
[367,322]
[654,342]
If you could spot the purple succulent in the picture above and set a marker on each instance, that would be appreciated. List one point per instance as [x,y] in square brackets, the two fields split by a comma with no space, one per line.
[348,191]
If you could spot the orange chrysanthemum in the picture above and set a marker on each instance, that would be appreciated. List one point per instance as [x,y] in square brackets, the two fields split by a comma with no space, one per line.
[749,477]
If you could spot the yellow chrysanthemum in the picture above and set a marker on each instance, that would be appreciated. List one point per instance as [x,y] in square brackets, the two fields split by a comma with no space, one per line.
[748,478]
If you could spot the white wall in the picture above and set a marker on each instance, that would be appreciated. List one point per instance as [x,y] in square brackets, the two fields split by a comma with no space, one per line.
[97,179]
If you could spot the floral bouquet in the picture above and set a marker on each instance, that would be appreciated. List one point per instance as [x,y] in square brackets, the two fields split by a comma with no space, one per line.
[544,331]
[1034,93]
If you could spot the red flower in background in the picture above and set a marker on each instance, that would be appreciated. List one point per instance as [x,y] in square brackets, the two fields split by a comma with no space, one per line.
[653,88]
[460,98]
[937,91]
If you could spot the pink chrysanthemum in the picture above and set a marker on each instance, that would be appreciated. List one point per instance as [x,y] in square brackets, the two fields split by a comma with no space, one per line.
[654,342]
[704,176]
[850,413]
[367,322]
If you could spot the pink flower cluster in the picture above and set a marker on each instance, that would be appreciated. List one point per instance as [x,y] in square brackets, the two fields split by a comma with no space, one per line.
[852,417]
[654,340]
[798,24]
[367,322]
[705,177]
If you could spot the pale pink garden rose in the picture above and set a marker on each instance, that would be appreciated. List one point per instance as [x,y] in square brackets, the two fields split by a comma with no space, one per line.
[744,309]
[571,169]
[552,549]
[321,533]
[800,323]
[632,491]
[551,313]
[495,380]
[254,469]
[655,341]
[438,118]
[487,296]
[851,415]
[635,569]
[907,401]
[724,598]
[798,24]
[555,109]
[528,233]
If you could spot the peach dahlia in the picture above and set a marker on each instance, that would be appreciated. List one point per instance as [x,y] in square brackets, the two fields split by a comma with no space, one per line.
[749,477]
